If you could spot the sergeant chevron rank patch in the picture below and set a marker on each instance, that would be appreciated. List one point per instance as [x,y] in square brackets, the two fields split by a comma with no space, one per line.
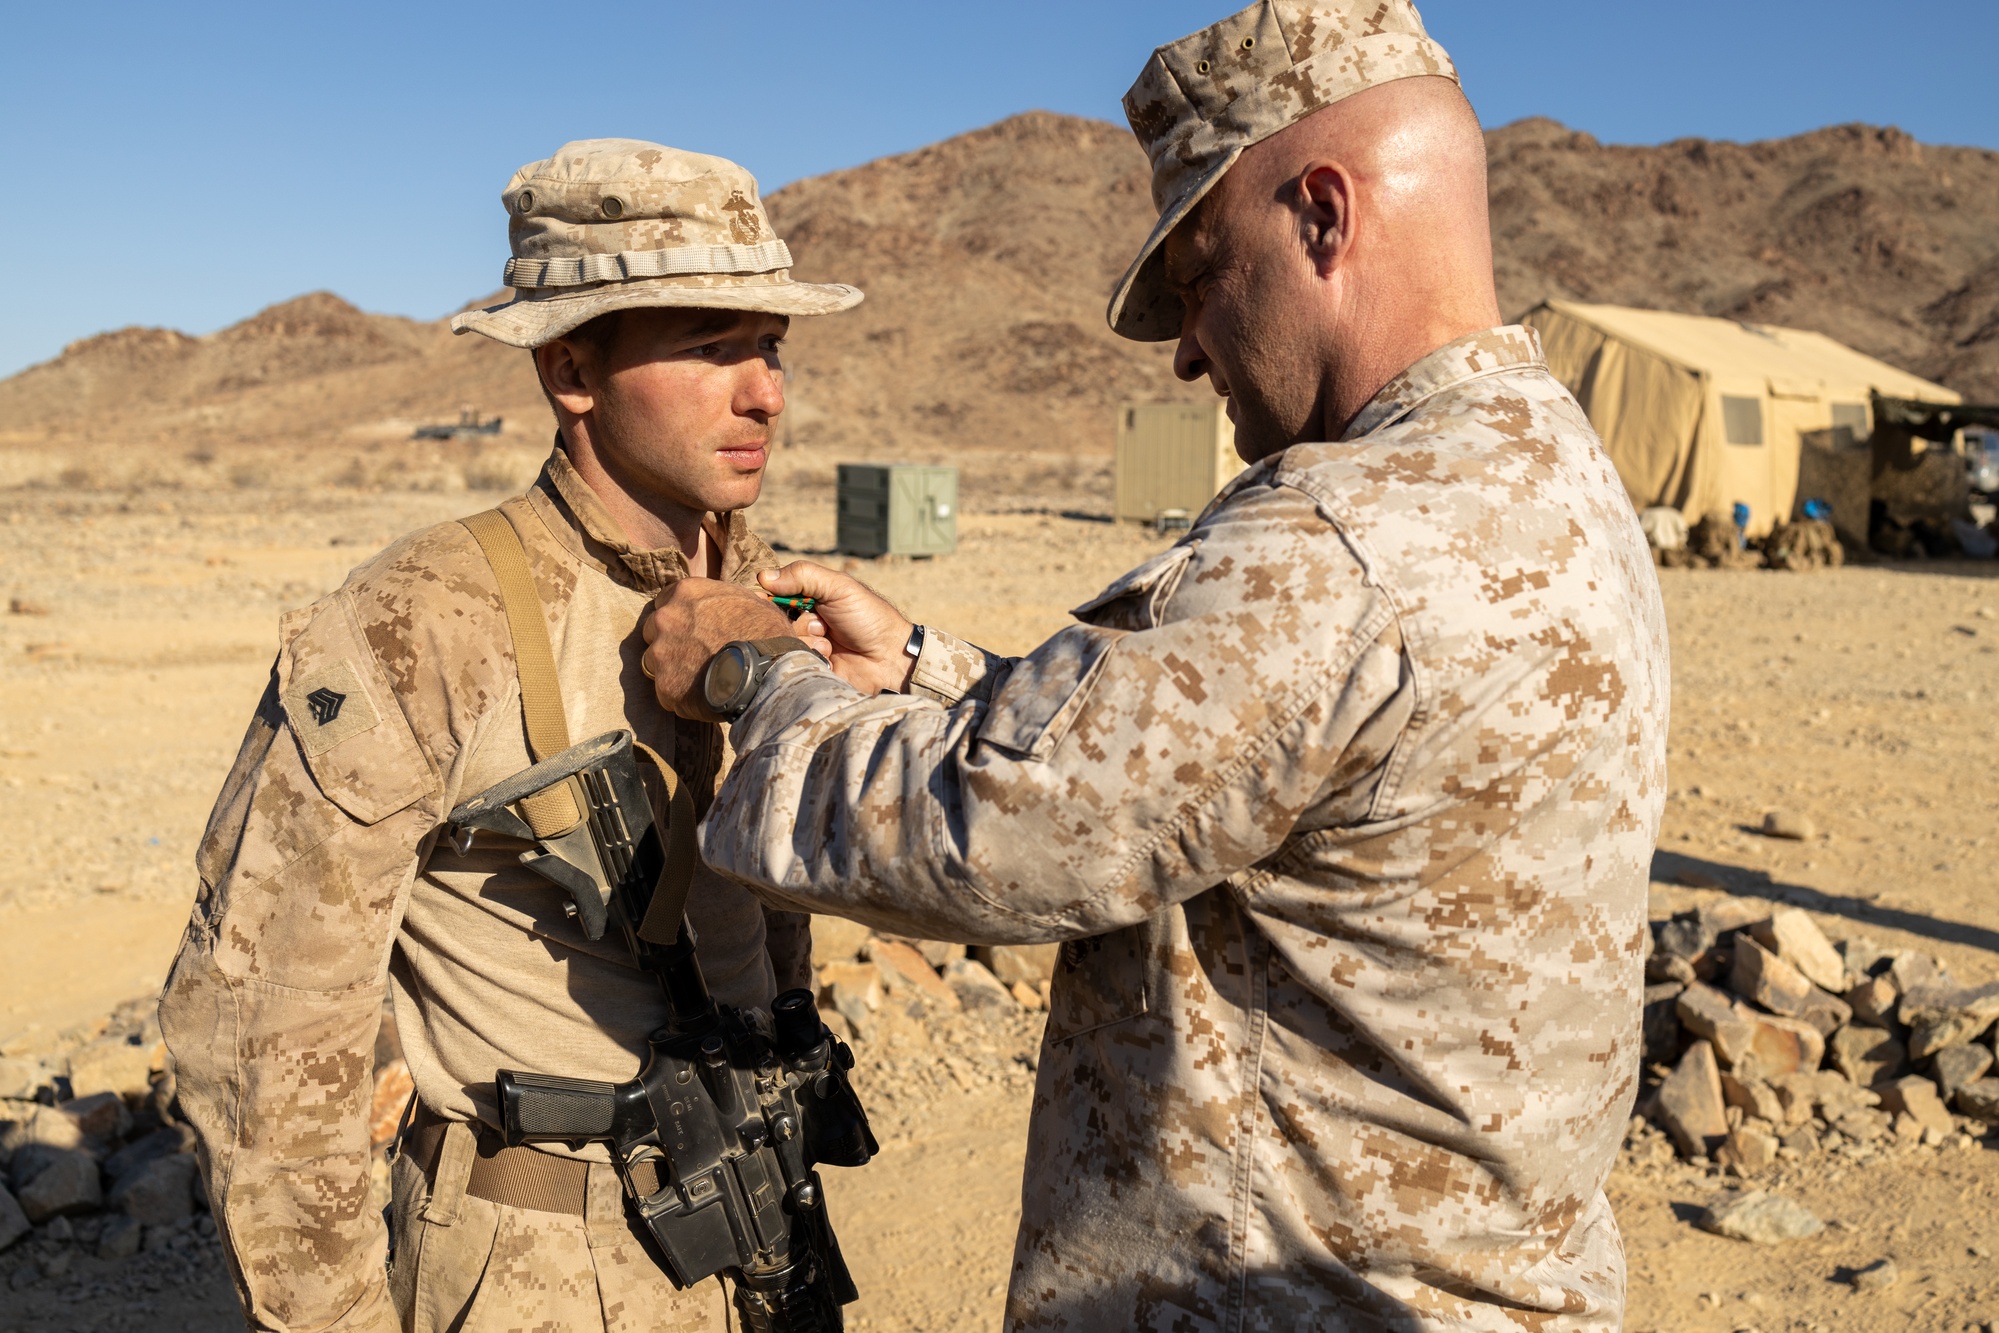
[328,705]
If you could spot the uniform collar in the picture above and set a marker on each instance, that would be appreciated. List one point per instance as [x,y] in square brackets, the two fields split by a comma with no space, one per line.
[579,520]
[1510,348]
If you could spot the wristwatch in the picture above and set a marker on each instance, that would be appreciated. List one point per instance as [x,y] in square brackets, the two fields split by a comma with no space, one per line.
[734,675]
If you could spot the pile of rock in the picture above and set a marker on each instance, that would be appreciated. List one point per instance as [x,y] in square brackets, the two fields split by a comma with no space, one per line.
[1766,1042]
[863,976]
[92,1159]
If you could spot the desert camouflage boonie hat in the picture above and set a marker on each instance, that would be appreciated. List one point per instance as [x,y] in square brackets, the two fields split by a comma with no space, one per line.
[619,224]
[1204,99]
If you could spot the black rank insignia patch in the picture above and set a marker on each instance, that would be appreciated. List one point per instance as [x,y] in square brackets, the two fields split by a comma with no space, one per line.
[329,703]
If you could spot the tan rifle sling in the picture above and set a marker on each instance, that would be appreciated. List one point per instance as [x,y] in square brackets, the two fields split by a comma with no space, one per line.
[557,810]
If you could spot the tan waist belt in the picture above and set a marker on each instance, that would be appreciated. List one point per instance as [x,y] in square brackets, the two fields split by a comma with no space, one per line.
[512,1177]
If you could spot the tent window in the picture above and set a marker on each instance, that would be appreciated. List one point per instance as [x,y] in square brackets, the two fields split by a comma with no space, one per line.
[1853,416]
[1742,420]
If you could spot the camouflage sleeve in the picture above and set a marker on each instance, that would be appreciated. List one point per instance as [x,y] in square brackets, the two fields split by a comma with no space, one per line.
[1126,764]
[272,1005]
[949,669]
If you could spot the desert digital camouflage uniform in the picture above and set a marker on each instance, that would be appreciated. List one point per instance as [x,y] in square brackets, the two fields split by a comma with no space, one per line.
[1344,806]
[325,878]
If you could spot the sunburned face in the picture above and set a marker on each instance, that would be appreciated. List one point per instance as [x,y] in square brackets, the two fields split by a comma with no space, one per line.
[682,403]
[1245,282]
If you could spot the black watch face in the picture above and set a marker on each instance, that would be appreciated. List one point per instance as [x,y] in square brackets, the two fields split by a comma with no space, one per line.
[727,678]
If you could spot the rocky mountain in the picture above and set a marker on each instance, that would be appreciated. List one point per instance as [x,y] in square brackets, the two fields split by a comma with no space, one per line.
[987,259]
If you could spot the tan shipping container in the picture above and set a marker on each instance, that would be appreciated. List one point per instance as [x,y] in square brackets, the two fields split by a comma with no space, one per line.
[1172,456]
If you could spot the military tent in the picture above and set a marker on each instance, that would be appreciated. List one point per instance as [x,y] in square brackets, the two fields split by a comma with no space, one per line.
[1703,414]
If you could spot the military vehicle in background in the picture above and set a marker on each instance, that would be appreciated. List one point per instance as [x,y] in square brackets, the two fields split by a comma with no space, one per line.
[468,427]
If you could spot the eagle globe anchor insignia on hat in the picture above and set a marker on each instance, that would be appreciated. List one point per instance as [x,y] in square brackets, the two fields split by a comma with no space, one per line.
[620,224]
[1203,100]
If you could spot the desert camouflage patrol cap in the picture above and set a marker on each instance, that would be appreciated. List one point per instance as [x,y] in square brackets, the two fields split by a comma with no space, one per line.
[1204,99]
[618,224]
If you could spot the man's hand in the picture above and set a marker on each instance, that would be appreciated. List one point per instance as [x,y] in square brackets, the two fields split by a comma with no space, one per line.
[691,622]
[866,634]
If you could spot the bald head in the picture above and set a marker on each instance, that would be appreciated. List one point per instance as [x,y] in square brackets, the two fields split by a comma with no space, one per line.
[1332,256]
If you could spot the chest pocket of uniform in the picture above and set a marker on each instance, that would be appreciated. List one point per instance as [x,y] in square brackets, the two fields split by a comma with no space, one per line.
[1041,697]
[1101,980]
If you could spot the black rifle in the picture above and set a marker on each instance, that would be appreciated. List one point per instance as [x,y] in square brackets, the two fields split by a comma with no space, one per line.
[717,1138]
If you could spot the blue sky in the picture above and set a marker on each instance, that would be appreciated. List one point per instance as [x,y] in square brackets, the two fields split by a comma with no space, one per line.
[186,164]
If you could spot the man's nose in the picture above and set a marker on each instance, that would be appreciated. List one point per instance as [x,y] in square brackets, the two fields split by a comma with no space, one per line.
[761,394]
[1190,359]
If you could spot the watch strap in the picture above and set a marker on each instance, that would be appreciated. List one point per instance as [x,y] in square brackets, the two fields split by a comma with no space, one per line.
[782,644]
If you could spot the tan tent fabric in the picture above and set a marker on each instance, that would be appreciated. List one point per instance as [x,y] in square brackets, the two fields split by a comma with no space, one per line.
[1654,382]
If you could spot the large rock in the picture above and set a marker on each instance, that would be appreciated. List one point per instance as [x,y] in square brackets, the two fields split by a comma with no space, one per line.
[903,970]
[1690,1106]
[1662,1021]
[1750,1150]
[1709,1015]
[1760,1218]
[1912,970]
[14,1223]
[1872,1001]
[977,988]
[147,1148]
[940,954]
[1759,975]
[1940,1016]
[1666,968]
[1825,1091]
[1754,1097]
[31,1160]
[42,1124]
[836,940]
[853,991]
[1777,1045]
[1826,1013]
[66,1187]
[102,1115]
[21,1079]
[114,1065]
[1031,963]
[1955,1066]
[1796,938]
[1980,1100]
[1863,957]
[159,1193]
[1916,1097]
[1731,913]
[1686,937]
[1867,1055]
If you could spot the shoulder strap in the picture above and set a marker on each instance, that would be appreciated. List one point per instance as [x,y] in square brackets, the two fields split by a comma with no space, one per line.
[555,810]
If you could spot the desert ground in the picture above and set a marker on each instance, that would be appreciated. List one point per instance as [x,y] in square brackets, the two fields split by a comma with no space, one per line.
[145,594]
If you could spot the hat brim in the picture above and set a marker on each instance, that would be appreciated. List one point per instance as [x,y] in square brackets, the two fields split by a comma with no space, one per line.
[1145,307]
[532,318]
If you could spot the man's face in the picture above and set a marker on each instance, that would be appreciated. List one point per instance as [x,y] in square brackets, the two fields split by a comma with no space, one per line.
[683,401]
[1244,279]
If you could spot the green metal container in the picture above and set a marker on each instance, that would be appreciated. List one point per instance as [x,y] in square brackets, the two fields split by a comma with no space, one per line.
[897,509]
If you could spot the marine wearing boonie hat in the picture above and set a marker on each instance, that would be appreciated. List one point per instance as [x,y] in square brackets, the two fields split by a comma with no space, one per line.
[620,224]
[1203,100]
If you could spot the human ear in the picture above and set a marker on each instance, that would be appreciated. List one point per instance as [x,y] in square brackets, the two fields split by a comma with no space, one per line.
[563,376]
[1324,193]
